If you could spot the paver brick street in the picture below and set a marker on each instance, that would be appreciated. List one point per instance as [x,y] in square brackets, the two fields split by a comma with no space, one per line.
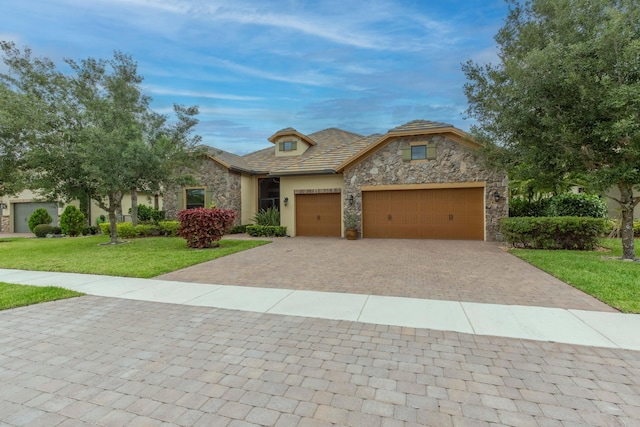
[108,361]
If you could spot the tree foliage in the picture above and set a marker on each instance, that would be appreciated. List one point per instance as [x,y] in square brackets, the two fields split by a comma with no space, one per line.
[91,132]
[564,99]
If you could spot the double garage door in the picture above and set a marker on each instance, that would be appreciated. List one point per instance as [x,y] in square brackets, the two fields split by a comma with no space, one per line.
[447,213]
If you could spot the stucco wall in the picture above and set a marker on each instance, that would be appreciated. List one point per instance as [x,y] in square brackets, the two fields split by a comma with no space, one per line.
[249,197]
[614,207]
[454,163]
[223,188]
[288,187]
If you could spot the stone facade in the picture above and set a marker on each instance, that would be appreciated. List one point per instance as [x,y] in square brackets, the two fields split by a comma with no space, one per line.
[222,187]
[4,225]
[454,163]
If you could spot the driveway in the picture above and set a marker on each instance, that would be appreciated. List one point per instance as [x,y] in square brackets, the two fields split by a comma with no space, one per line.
[468,271]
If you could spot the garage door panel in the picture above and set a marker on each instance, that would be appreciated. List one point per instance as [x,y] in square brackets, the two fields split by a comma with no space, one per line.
[318,215]
[454,213]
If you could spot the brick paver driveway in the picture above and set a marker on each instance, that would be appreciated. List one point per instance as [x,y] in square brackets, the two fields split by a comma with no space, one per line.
[433,269]
[114,362]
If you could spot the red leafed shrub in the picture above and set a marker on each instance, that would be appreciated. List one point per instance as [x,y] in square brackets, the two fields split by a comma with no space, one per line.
[203,227]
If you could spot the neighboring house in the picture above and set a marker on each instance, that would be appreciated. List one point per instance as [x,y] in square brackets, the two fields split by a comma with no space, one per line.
[16,210]
[418,180]
[614,207]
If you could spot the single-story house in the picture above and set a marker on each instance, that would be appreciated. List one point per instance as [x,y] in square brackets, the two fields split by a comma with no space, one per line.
[17,209]
[418,180]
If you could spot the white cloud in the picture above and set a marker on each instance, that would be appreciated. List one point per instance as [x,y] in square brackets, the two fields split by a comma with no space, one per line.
[195,94]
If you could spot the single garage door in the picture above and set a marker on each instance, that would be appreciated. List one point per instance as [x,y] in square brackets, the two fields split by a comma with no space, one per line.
[22,212]
[318,214]
[447,213]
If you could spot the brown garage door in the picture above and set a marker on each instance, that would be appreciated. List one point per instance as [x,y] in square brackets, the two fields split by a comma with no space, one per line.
[318,214]
[447,213]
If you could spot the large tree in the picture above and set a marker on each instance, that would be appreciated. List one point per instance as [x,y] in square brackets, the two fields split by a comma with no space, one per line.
[565,97]
[93,133]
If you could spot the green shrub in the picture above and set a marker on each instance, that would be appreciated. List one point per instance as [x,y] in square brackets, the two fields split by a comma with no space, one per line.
[39,216]
[238,229]
[169,228]
[266,230]
[149,215]
[72,221]
[521,207]
[636,228]
[90,230]
[203,228]
[102,219]
[41,230]
[105,228]
[57,230]
[125,230]
[584,205]
[269,217]
[553,232]
[147,230]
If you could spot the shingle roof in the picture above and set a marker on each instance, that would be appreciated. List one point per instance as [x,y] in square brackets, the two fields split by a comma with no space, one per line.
[330,150]
[333,147]
[229,160]
[418,125]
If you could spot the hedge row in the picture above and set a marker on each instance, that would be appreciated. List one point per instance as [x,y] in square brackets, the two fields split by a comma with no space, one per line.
[126,230]
[568,204]
[266,230]
[553,232]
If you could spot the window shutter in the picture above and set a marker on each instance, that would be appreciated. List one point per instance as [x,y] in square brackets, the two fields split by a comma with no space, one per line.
[431,151]
[208,197]
[180,200]
[281,146]
[294,145]
[406,154]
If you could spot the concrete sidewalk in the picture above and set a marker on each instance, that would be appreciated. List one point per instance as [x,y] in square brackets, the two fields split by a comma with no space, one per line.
[580,327]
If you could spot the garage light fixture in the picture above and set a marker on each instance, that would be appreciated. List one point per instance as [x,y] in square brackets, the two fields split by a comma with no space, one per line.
[496,196]
[286,201]
[3,206]
[351,200]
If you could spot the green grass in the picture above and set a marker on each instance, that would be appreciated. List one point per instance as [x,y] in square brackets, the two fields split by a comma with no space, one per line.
[146,257]
[12,296]
[612,281]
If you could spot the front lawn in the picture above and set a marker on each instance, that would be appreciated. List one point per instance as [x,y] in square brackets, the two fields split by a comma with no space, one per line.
[12,296]
[145,257]
[612,281]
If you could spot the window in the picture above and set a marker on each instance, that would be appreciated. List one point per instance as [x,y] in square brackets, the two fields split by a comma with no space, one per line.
[288,145]
[419,152]
[194,198]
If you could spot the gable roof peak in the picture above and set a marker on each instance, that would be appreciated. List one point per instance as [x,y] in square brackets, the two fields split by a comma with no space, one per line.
[289,132]
[418,125]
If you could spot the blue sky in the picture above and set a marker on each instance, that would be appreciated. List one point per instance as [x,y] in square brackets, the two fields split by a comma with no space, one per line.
[257,66]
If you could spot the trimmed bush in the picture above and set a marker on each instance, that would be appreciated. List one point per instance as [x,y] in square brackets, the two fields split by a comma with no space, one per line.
[269,217]
[571,204]
[39,216]
[41,230]
[521,207]
[126,230]
[57,230]
[203,228]
[72,221]
[169,228]
[238,229]
[580,233]
[266,231]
